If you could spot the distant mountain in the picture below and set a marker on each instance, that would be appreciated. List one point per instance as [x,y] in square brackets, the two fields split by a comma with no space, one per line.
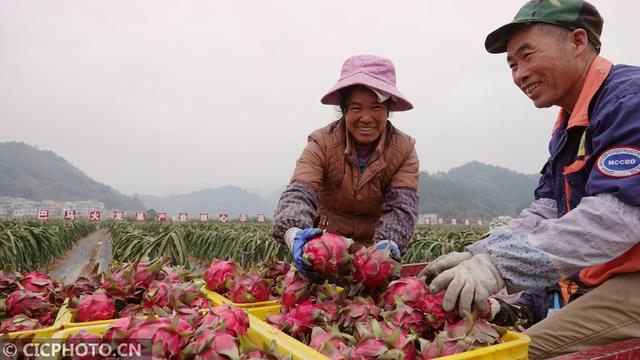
[476,190]
[227,199]
[34,174]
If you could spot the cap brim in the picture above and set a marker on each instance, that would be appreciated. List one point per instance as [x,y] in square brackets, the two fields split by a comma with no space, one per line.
[332,97]
[496,41]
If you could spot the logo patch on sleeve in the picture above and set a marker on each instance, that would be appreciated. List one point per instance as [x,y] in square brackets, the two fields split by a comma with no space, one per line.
[620,162]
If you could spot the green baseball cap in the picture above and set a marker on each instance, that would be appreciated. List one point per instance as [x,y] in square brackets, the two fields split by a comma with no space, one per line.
[570,14]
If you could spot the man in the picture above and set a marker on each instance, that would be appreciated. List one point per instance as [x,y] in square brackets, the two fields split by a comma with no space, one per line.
[586,212]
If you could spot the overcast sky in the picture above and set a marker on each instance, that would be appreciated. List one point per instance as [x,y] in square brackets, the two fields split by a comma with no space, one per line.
[160,97]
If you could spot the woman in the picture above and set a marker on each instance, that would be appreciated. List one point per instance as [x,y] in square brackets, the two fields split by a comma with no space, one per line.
[358,176]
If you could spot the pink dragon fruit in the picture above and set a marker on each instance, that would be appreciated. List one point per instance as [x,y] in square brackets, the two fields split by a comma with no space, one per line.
[331,343]
[147,272]
[18,322]
[33,305]
[85,337]
[442,345]
[170,339]
[274,269]
[213,345]
[435,315]
[37,282]
[156,295]
[374,267]
[407,318]
[299,320]
[296,289]
[357,311]
[234,320]
[120,284]
[250,287]
[399,344]
[329,255]
[219,276]
[96,306]
[409,290]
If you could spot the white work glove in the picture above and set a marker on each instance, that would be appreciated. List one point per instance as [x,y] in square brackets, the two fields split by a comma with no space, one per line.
[289,236]
[472,281]
[444,262]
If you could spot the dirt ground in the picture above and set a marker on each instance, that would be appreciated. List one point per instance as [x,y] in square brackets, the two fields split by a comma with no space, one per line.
[79,260]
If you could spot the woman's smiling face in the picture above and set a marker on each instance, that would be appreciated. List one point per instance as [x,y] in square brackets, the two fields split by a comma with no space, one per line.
[365,117]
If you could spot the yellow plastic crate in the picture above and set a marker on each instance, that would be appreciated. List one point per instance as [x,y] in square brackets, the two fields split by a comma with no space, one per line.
[514,347]
[262,333]
[43,333]
[218,299]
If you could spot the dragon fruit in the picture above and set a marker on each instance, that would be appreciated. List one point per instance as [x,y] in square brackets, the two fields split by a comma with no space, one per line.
[374,267]
[331,343]
[156,295]
[442,345]
[33,305]
[120,284]
[299,321]
[219,276]
[186,295]
[296,289]
[435,315]
[18,322]
[274,269]
[399,344]
[407,318]
[96,306]
[213,345]
[329,255]
[149,271]
[359,310]
[250,287]
[85,337]
[476,332]
[172,274]
[409,290]
[38,283]
[169,339]
[235,320]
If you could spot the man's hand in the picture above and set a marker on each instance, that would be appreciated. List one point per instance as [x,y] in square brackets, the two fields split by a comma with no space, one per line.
[444,262]
[470,282]
[392,247]
[296,239]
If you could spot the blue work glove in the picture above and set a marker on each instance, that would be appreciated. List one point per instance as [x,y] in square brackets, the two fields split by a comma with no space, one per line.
[392,247]
[299,238]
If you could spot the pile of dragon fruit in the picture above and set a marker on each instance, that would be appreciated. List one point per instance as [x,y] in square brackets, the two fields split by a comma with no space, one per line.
[373,317]
[219,333]
[134,289]
[28,301]
[373,314]
[246,286]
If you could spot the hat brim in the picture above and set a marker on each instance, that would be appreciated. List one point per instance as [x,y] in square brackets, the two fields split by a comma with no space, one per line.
[496,41]
[333,96]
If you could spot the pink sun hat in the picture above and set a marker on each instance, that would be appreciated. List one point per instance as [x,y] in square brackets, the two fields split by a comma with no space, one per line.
[374,72]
